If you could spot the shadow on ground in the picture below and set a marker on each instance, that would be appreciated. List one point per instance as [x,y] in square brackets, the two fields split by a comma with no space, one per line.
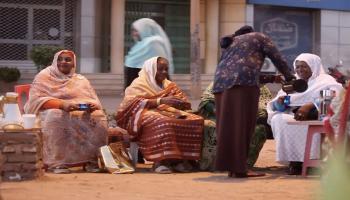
[274,172]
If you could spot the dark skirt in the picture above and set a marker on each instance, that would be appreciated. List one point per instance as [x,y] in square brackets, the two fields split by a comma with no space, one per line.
[236,110]
[129,75]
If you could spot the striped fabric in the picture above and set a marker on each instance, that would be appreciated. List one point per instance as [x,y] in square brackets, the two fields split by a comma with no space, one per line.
[160,133]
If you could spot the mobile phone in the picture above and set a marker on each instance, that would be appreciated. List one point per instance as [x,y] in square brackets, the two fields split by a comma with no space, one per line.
[83,106]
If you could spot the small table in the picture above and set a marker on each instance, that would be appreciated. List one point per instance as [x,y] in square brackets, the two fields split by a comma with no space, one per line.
[309,122]
[21,154]
[314,127]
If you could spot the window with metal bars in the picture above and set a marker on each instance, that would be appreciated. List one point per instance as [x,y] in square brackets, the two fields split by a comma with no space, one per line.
[28,23]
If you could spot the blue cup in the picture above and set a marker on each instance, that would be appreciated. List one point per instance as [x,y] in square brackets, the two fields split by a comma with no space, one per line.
[83,106]
[286,100]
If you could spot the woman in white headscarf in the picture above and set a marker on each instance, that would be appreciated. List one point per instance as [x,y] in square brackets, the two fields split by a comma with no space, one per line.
[291,139]
[153,113]
[151,41]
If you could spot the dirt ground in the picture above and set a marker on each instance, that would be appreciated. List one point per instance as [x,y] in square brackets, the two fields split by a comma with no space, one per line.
[146,185]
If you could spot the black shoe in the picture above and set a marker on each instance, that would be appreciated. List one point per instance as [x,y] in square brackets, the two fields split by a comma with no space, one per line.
[140,158]
[294,170]
[246,174]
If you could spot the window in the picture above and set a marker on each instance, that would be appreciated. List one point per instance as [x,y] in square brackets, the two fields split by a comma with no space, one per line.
[173,16]
[27,23]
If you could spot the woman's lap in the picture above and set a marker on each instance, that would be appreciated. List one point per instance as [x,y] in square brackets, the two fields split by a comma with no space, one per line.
[70,140]
[163,137]
[291,139]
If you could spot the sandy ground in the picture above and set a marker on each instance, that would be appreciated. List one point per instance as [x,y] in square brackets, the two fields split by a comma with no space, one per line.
[146,185]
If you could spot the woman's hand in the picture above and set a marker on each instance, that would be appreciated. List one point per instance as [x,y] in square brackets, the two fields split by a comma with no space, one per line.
[278,79]
[303,111]
[171,101]
[280,100]
[175,102]
[69,107]
[92,107]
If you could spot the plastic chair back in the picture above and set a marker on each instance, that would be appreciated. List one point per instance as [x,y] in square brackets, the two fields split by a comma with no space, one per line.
[23,95]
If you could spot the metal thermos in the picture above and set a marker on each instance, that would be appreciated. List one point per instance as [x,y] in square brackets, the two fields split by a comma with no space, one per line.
[326,97]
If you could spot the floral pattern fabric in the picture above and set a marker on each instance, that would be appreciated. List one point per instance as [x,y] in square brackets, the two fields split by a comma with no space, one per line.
[240,63]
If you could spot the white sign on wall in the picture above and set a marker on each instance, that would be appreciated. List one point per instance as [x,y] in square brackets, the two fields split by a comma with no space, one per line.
[284,34]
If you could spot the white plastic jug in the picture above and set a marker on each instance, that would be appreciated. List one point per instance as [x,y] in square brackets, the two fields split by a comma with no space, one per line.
[12,114]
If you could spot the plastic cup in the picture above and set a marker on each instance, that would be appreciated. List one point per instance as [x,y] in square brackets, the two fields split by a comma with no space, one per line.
[28,121]
[286,100]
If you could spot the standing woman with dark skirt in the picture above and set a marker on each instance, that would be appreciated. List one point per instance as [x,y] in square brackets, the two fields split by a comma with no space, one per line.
[237,96]
[150,41]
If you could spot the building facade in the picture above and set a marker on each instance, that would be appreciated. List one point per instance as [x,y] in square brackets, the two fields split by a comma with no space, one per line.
[317,26]
[98,30]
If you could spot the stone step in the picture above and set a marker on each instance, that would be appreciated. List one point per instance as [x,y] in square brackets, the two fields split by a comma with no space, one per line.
[113,84]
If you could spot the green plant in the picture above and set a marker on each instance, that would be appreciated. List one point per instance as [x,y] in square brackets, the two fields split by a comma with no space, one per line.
[42,56]
[8,74]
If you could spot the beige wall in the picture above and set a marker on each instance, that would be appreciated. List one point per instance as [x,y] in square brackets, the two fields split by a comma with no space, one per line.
[232,15]
[117,36]
[90,37]
[202,28]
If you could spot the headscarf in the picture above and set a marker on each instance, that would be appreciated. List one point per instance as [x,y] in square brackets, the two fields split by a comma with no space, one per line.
[51,83]
[314,63]
[154,42]
[145,85]
[55,72]
[226,41]
[318,81]
[243,30]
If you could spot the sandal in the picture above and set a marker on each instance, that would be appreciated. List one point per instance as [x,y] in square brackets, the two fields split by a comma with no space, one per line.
[294,170]
[162,169]
[249,174]
[183,167]
[59,170]
[92,168]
